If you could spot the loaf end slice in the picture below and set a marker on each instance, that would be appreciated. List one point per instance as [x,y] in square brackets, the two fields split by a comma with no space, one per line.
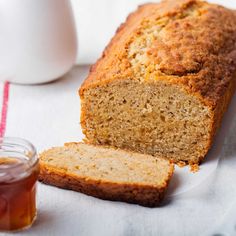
[107,173]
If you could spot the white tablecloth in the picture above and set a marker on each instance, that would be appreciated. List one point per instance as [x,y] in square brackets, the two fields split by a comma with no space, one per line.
[48,115]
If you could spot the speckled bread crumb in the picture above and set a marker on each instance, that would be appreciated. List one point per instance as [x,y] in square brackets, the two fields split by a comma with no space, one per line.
[164,82]
[107,173]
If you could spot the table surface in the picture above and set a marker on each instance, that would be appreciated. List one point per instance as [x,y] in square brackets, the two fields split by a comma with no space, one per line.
[48,115]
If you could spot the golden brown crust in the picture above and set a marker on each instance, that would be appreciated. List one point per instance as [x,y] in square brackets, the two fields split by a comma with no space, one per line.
[196,48]
[220,109]
[145,195]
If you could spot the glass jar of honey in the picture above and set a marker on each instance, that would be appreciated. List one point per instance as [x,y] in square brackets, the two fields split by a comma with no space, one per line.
[18,175]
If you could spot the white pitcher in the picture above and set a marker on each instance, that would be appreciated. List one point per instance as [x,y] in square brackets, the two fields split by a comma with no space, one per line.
[37,40]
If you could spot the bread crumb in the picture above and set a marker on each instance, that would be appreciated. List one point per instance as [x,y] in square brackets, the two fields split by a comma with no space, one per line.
[181,164]
[194,168]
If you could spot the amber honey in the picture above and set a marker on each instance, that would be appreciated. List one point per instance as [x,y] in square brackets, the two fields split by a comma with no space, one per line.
[18,178]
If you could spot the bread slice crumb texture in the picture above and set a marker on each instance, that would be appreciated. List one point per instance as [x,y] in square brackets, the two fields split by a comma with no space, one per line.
[107,164]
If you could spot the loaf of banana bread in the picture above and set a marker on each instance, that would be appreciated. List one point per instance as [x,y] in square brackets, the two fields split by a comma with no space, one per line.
[164,82]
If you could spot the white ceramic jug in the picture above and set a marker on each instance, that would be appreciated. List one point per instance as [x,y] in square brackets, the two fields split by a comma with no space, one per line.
[37,40]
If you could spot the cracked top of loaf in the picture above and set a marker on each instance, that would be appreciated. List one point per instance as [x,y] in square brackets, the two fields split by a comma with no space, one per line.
[186,42]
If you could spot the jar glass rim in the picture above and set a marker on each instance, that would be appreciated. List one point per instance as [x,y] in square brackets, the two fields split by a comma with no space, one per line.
[27,147]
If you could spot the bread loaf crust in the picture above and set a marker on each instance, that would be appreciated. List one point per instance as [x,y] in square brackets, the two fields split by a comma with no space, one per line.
[195,49]
[136,194]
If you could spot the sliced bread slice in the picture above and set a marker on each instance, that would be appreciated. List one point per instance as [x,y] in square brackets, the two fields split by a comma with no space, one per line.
[107,173]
